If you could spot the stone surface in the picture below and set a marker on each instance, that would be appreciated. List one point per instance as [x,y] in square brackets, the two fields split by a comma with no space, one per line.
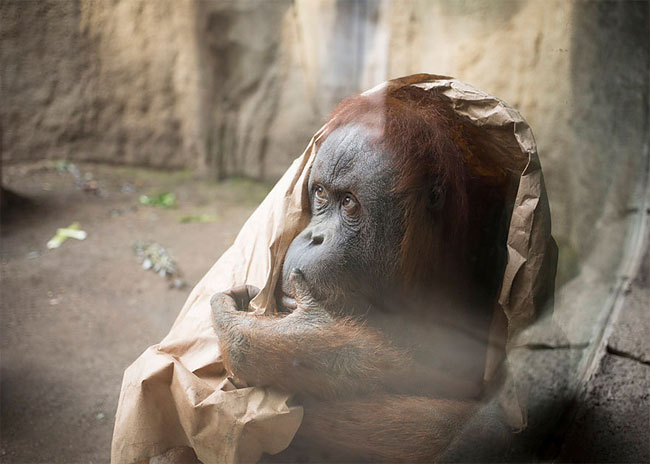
[243,70]
[614,419]
[114,82]
[72,319]
[546,376]
[238,88]
[631,335]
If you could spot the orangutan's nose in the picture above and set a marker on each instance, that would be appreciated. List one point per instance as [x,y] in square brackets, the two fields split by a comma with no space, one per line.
[317,238]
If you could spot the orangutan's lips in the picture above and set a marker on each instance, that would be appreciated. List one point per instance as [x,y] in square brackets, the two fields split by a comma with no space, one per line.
[288,303]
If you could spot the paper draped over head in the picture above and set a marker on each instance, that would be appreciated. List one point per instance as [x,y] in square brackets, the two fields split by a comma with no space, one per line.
[177,392]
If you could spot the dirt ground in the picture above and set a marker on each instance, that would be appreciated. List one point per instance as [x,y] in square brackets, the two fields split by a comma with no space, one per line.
[73,318]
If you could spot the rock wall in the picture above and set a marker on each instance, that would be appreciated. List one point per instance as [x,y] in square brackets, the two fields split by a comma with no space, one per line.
[112,82]
[243,65]
[238,87]
[577,71]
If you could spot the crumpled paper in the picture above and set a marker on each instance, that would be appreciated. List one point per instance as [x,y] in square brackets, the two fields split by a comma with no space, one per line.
[177,392]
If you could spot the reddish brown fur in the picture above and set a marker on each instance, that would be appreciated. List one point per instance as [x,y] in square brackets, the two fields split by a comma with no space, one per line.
[358,359]
[360,394]
[434,152]
[384,428]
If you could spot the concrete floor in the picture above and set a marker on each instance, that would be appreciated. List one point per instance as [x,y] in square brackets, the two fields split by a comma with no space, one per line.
[612,420]
[74,318]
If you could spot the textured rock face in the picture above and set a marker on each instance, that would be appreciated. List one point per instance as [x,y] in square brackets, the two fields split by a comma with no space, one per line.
[238,87]
[243,65]
[112,82]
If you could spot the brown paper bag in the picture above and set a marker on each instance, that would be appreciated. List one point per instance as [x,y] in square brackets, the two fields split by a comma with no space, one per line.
[177,393]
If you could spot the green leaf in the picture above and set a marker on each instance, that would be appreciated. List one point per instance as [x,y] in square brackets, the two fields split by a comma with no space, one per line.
[198,218]
[163,200]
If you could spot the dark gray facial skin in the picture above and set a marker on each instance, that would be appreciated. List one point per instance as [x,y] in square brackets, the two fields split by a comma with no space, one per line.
[349,255]
[349,251]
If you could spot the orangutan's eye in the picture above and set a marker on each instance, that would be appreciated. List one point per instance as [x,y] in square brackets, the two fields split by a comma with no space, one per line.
[320,195]
[349,204]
